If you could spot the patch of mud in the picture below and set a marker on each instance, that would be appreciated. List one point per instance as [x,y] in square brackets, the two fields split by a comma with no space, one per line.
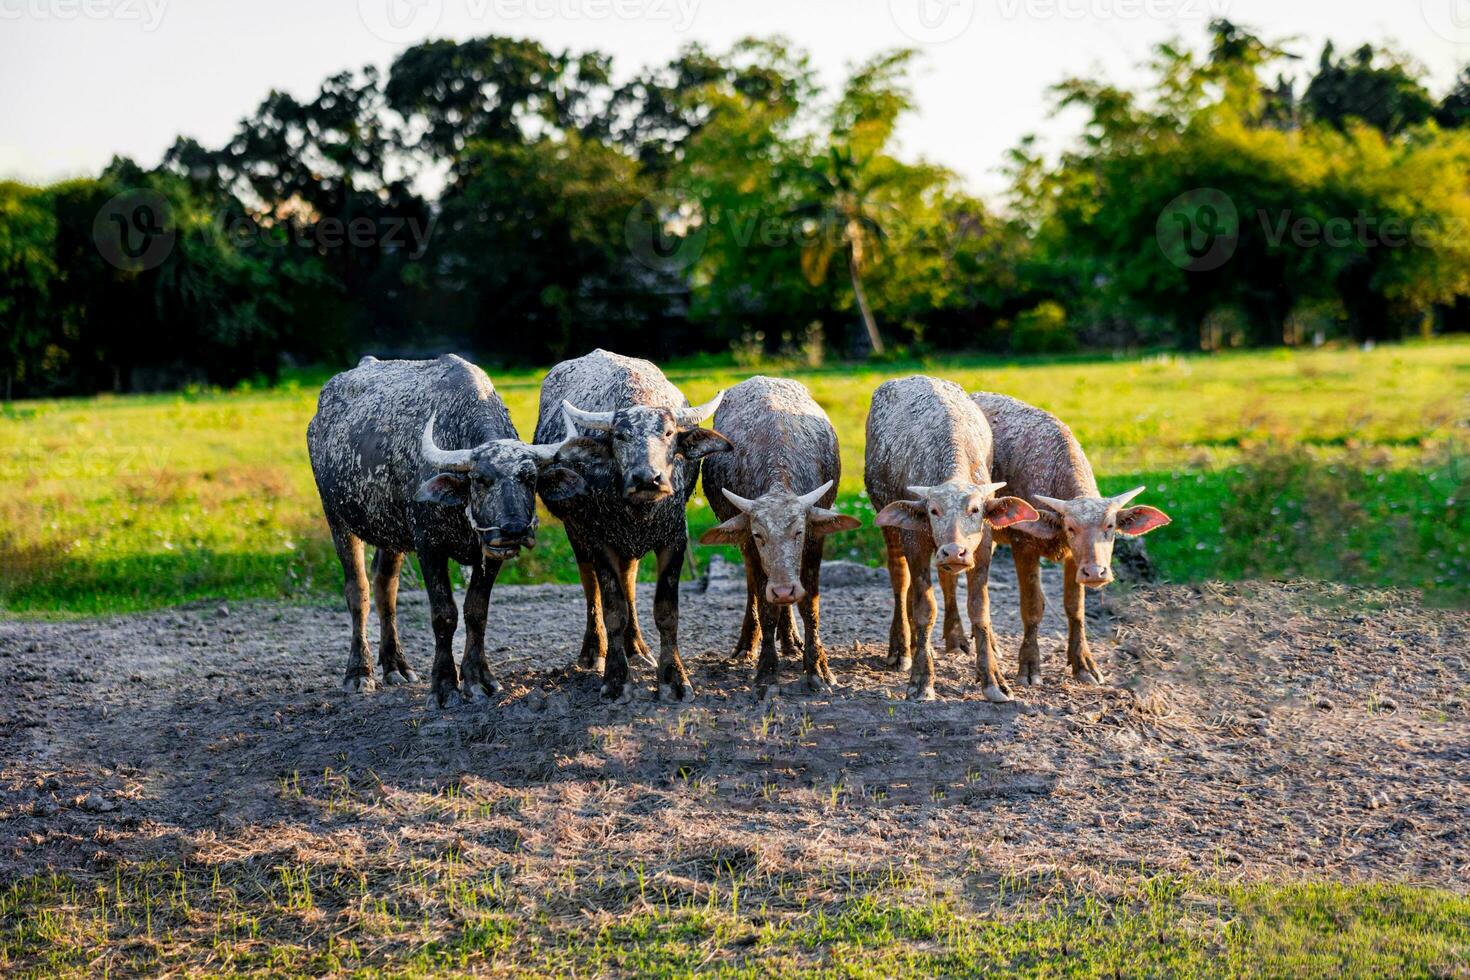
[1259,730]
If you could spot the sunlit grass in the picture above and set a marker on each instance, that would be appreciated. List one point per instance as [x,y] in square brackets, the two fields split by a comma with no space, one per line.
[444,916]
[117,503]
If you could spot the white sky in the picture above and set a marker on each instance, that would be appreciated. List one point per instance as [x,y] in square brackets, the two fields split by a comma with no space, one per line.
[81,80]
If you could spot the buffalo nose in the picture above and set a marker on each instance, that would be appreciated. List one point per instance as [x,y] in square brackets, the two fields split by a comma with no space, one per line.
[783,595]
[648,480]
[1094,574]
[953,553]
[514,529]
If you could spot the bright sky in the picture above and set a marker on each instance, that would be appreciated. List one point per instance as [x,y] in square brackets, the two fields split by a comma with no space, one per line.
[84,79]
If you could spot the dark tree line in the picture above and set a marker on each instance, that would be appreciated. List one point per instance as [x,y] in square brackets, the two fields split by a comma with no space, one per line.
[497,196]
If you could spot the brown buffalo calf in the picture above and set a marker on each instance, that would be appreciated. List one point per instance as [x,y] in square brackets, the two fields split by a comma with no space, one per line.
[1041,461]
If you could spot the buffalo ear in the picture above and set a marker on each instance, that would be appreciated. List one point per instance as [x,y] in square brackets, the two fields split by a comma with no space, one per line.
[826,522]
[1141,520]
[906,515]
[448,489]
[733,531]
[695,444]
[1005,511]
[559,483]
[1046,526]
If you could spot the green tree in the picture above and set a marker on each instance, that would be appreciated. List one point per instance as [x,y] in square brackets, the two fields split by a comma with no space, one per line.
[27,271]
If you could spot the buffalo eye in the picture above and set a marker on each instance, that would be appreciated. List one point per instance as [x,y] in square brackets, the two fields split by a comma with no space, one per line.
[934,511]
[669,434]
[974,511]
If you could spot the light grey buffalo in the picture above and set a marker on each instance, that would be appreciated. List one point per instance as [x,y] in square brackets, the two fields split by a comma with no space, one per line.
[773,495]
[421,456]
[1041,461]
[636,444]
[928,471]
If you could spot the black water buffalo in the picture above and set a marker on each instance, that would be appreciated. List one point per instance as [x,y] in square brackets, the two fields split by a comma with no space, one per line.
[421,456]
[636,443]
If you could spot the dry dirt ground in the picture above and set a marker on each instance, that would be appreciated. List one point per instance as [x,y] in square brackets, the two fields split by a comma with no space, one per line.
[1259,730]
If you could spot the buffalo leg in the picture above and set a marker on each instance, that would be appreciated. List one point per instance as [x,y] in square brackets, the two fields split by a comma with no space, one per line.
[791,644]
[1074,601]
[767,667]
[900,654]
[615,685]
[594,637]
[750,630]
[476,679]
[673,680]
[921,615]
[359,676]
[954,627]
[445,617]
[386,566]
[814,656]
[637,648]
[987,664]
[1033,604]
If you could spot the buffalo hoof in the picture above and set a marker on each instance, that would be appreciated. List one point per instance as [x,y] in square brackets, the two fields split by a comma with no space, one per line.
[1029,675]
[443,694]
[1086,678]
[617,693]
[644,659]
[921,692]
[817,684]
[995,694]
[901,664]
[473,691]
[676,691]
[359,685]
[393,678]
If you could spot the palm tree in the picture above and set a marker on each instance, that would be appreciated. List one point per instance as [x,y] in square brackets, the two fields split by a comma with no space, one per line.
[842,216]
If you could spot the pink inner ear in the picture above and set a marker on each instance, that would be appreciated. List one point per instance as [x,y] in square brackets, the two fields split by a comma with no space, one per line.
[1006,511]
[1141,520]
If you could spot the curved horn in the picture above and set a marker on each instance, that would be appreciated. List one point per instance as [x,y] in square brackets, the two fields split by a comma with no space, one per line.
[543,454]
[810,499]
[590,420]
[738,500]
[988,489]
[697,414]
[1060,506]
[452,460]
[918,493]
[1123,499]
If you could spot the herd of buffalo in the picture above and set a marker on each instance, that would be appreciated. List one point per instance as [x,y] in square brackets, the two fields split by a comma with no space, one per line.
[422,456]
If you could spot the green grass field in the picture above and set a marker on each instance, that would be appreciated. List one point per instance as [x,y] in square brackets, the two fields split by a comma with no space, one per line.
[441,918]
[1335,463]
